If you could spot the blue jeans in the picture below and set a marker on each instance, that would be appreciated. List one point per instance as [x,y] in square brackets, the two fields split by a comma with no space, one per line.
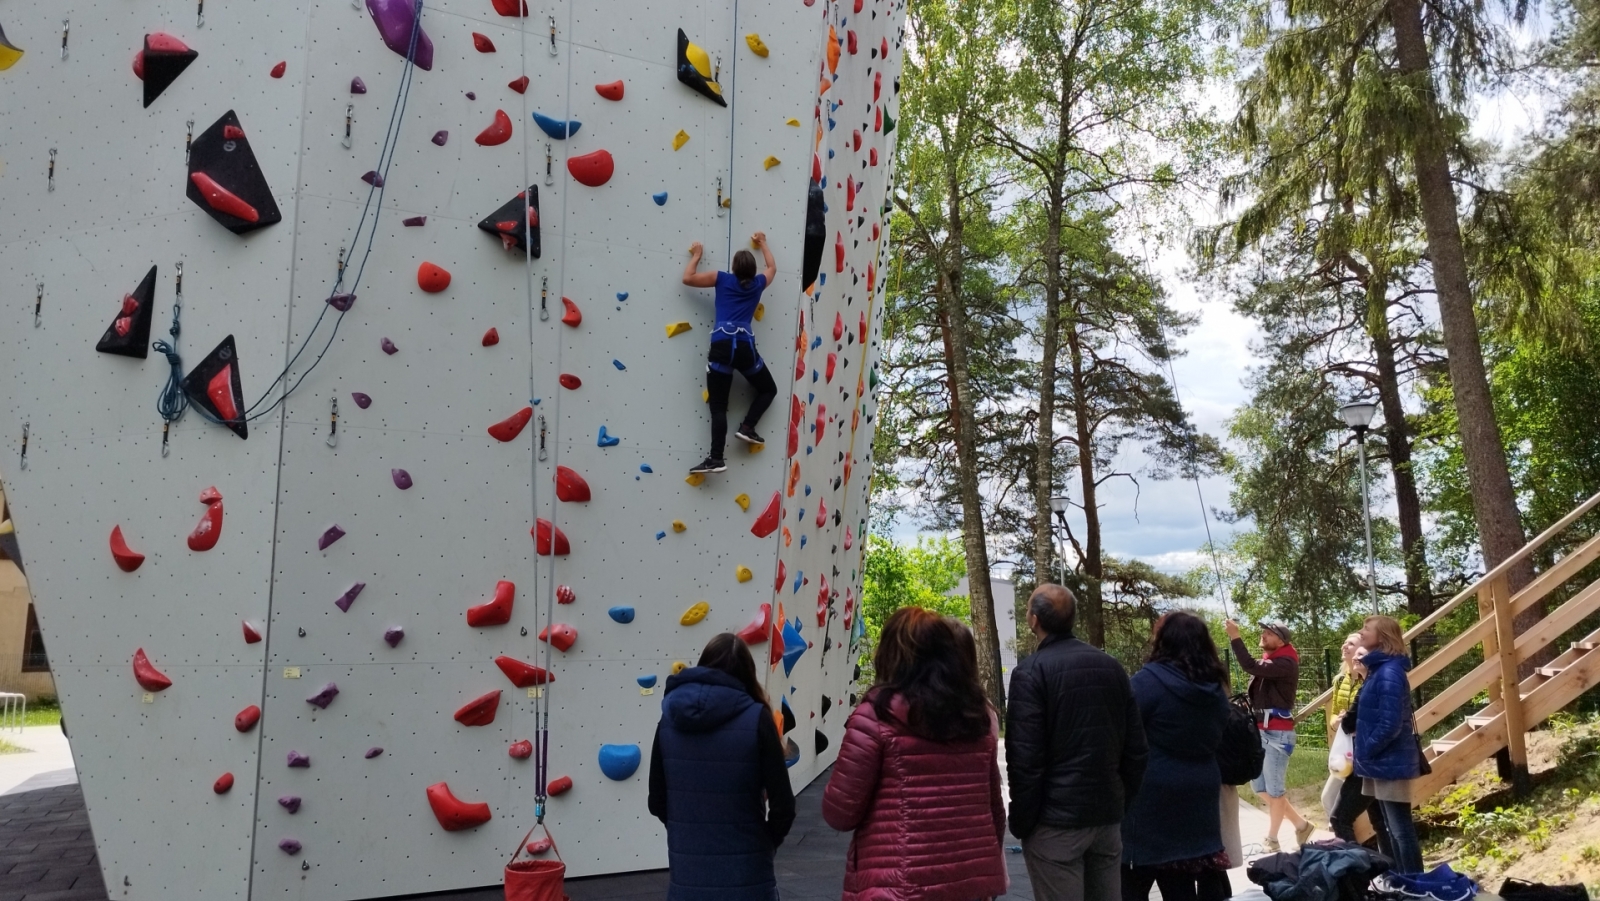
[1279,744]
[1402,836]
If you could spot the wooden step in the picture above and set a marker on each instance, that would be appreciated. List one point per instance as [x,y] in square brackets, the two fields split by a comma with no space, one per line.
[1550,672]
[1479,720]
[1442,747]
[1585,645]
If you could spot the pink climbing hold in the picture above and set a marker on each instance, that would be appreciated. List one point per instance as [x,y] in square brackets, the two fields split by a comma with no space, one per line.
[519,85]
[433,279]
[279,69]
[571,487]
[299,760]
[126,558]
[402,479]
[542,531]
[592,169]
[388,347]
[491,337]
[520,750]
[523,675]
[573,316]
[246,719]
[849,539]
[392,636]
[329,536]
[757,631]
[251,636]
[611,90]
[453,813]
[509,428]
[362,400]
[481,43]
[767,522]
[571,382]
[822,512]
[560,636]
[823,596]
[357,86]
[565,594]
[149,678]
[440,138]
[324,696]
[479,711]
[498,131]
[401,30]
[496,612]
[349,597]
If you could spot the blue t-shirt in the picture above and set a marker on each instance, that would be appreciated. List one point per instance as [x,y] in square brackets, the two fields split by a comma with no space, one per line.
[736,306]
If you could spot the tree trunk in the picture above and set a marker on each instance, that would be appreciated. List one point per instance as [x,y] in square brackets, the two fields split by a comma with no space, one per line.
[973,540]
[1045,433]
[1397,436]
[1091,607]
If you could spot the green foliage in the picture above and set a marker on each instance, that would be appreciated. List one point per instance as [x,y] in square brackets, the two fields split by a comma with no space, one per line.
[902,575]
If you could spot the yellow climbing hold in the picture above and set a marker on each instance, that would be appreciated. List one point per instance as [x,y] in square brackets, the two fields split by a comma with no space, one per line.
[680,139]
[678,666]
[10,53]
[761,311]
[696,479]
[698,58]
[743,573]
[705,397]
[678,526]
[695,614]
[757,46]
[770,161]
[743,501]
[674,329]
[794,122]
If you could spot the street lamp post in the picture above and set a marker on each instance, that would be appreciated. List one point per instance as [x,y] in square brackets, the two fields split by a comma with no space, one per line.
[1358,417]
[1058,506]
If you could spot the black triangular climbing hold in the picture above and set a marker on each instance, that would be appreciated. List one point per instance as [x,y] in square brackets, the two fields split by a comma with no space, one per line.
[226,181]
[822,742]
[164,59]
[827,704]
[129,333]
[506,223]
[694,70]
[788,715]
[213,387]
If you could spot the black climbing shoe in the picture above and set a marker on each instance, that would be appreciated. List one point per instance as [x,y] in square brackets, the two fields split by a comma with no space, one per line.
[749,436]
[710,464]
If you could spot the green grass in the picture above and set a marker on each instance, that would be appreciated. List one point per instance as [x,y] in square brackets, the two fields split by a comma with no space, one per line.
[46,711]
[7,747]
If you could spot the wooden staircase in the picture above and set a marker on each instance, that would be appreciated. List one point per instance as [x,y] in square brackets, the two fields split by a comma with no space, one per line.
[1514,705]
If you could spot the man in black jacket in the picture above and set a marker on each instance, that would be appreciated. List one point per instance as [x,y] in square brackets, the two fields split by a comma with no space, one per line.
[1075,753]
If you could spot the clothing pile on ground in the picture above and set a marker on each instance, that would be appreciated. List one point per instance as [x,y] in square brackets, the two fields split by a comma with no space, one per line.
[1336,870]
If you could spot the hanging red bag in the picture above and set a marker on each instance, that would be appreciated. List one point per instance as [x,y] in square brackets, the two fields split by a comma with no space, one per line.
[535,880]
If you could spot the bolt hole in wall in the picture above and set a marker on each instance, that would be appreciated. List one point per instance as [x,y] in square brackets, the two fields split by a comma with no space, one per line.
[397,309]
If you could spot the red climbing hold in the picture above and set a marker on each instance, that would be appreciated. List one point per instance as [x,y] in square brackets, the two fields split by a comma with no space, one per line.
[149,677]
[496,612]
[127,559]
[767,522]
[800,364]
[777,584]
[877,125]
[224,784]
[246,719]
[482,43]
[794,476]
[540,845]
[480,710]
[592,169]
[816,168]
[279,69]
[251,636]
[872,279]
[571,382]
[209,529]
[523,675]
[850,184]
[822,604]
[541,538]
[883,50]
[872,156]
[833,359]
[559,786]
[822,419]
[520,750]
[453,813]
[232,133]
[797,412]
[756,632]
[498,132]
[560,636]
[432,278]
[838,251]
[509,428]
[570,486]
[520,85]
[877,86]
[223,200]
[565,594]
[838,326]
[573,316]
[491,337]
[612,91]
[822,520]
[509,7]
[862,334]
[220,390]
[850,41]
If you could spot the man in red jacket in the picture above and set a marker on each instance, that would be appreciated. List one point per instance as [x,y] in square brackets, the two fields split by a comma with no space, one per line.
[1273,680]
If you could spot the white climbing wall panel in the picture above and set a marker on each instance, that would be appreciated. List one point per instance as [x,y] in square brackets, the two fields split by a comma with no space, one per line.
[647,539]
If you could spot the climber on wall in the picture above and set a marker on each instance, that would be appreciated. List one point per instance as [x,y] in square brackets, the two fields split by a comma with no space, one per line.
[733,343]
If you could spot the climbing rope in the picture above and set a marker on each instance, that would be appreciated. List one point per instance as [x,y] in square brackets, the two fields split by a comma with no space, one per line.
[173,402]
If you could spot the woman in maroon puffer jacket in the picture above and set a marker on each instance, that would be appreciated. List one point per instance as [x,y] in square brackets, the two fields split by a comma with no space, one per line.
[918,776]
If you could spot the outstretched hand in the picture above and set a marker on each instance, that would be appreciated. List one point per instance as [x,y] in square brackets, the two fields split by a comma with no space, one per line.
[1233,629]
[696,249]
[758,239]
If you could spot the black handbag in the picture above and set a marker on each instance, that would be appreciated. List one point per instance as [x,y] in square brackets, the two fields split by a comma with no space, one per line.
[1240,755]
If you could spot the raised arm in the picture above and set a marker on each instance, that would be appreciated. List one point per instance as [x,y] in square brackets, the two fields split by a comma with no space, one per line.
[759,239]
[693,278]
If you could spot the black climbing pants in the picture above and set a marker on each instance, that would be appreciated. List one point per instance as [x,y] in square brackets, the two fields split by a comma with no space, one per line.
[1211,885]
[726,357]
[1350,806]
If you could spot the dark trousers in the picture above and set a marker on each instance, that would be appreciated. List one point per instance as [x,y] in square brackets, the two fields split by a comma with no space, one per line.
[1407,853]
[1211,885]
[726,357]
[1350,806]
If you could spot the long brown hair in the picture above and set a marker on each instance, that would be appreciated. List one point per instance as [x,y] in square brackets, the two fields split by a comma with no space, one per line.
[1182,641]
[920,658]
[728,652]
[1391,640]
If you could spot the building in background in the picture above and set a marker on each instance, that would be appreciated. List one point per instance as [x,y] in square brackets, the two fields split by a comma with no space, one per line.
[1004,592]
[24,669]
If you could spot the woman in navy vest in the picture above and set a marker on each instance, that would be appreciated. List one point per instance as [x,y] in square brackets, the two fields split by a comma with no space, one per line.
[718,779]
[733,343]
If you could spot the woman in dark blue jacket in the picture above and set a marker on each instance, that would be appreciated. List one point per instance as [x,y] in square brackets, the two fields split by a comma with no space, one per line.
[1172,831]
[718,779]
[1386,756]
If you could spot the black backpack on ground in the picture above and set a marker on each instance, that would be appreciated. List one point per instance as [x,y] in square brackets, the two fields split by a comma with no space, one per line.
[1240,754]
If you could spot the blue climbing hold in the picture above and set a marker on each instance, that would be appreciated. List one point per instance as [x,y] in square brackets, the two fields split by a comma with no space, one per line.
[811,397]
[802,541]
[799,579]
[808,491]
[816,342]
[621,614]
[793,646]
[800,515]
[791,752]
[830,153]
[621,296]
[645,467]
[556,128]
[535,401]
[808,451]
[618,364]
[606,440]
[619,762]
[646,681]
[660,535]
[660,198]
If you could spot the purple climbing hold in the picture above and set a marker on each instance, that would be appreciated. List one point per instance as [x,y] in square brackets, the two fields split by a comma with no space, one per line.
[413,222]
[324,697]
[472,95]
[389,348]
[290,803]
[373,752]
[349,597]
[334,533]
[402,479]
[357,86]
[289,846]
[363,401]
[392,635]
[440,137]
[299,760]
[373,178]
[342,302]
[398,21]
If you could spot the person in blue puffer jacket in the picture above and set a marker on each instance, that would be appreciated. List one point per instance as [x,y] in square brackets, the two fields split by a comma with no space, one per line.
[1386,755]
[718,780]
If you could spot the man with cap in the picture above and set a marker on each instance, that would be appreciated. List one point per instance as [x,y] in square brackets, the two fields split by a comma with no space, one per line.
[1273,680]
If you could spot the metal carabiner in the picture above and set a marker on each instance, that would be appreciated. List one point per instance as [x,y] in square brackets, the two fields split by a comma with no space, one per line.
[544,298]
[349,118]
[333,424]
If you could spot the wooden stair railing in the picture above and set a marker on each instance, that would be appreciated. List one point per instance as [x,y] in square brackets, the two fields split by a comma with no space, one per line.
[1514,705]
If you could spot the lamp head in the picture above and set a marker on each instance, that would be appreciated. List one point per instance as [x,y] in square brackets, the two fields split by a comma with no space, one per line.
[1058,505]
[1358,416]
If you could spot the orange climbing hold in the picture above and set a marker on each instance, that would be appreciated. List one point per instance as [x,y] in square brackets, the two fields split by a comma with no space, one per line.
[453,813]
[794,476]
[432,278]
[496,612]
[767,522]
[560,636]
[127,559]
[611,91]
[570,486]
[542,531]
[209,529]
[833,50]
[149,678]
[509,428]
[479,711]
[523,675]
[498,132]
[592,169]
[573,316]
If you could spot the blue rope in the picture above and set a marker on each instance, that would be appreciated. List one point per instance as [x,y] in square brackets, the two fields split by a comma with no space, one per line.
[172,401]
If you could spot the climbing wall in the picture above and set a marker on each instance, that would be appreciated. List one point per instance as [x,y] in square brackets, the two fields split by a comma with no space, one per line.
[338,612]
